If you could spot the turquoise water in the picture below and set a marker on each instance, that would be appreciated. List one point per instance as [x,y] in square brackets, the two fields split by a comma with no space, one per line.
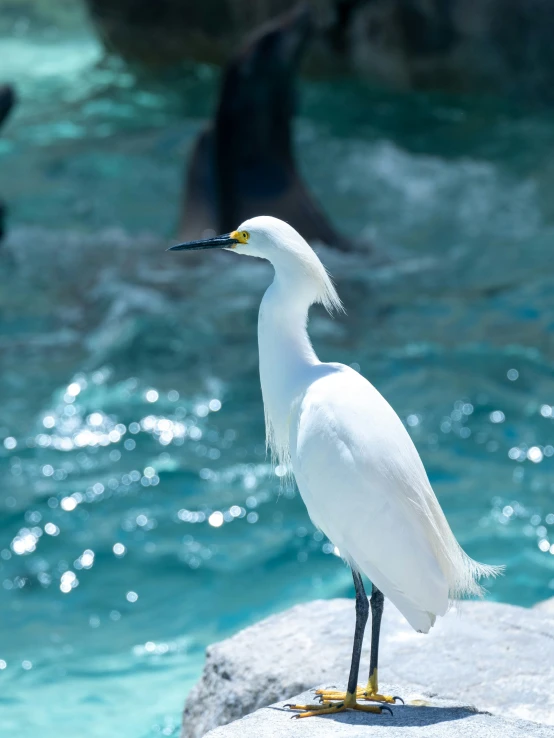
[140,519]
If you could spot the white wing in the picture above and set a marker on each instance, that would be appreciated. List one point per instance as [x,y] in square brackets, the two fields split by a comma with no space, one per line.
[365,487]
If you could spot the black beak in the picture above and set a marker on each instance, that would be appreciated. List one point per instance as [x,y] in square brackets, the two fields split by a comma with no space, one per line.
[218,242]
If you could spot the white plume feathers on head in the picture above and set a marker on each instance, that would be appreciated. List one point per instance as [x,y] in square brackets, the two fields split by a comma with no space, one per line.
[287,242]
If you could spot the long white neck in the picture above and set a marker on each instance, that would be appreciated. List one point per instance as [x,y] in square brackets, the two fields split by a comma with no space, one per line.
[286,355]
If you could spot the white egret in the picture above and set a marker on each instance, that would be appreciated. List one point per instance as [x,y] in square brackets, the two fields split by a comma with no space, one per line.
[356,467]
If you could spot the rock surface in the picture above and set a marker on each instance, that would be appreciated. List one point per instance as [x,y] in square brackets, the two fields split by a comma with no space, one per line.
[436,719]
[546,607]
[497,657]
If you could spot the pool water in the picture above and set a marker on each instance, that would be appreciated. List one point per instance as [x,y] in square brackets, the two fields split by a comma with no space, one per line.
[140,518]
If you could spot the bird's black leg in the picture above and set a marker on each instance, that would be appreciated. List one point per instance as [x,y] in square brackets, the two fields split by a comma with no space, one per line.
[362,613]
[331,700]
[377,604]
[348,699]
[372,690]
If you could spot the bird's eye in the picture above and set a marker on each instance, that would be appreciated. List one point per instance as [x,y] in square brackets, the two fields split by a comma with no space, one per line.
[245,235]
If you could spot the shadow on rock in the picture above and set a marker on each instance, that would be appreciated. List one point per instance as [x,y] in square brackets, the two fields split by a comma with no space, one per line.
[407,716]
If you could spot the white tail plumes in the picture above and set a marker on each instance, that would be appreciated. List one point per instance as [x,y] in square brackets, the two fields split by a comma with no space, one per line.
[461,572]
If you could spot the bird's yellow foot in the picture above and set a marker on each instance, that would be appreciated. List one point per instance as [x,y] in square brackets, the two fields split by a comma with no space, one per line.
[327,708]
[362,693]
[370,693]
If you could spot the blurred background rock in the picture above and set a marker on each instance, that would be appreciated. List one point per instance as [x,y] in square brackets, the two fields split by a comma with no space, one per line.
[451,45]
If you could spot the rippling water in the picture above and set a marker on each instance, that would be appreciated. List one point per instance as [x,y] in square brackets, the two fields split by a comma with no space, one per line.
[140,519]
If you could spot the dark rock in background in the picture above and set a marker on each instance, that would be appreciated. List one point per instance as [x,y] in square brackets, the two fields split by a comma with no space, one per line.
[243,164]
[456,45]
[168,31]
[7,101]
[503,46]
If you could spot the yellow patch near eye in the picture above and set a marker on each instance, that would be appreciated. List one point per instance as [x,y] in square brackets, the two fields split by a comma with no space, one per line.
[241,236]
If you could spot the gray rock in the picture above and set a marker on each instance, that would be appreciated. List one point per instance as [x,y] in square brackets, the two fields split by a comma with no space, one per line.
[437,718]
[546,607]
[497,657]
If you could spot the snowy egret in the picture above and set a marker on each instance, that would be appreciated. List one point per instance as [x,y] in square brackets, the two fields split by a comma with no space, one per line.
[356,467]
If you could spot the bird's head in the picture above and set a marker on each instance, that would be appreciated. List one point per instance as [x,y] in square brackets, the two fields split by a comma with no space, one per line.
[264,237]
[295,262]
